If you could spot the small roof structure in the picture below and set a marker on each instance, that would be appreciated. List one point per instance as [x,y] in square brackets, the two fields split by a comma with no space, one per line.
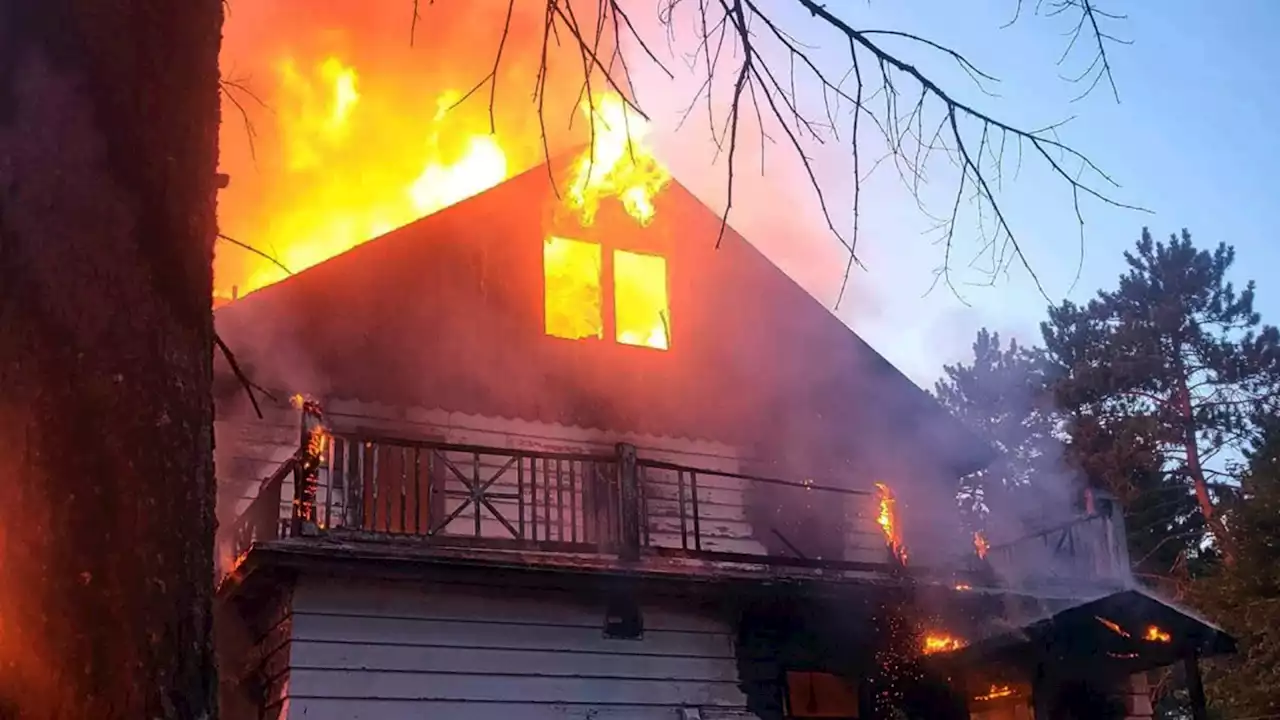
[1117,634]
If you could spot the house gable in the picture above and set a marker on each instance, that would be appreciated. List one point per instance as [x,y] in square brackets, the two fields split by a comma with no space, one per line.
[448,312]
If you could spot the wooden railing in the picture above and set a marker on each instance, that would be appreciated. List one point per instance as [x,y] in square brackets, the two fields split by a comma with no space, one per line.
[615,504]
[1089,548]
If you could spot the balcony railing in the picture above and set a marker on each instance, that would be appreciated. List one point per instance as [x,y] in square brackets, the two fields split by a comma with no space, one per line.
[1088,548]
[616,504]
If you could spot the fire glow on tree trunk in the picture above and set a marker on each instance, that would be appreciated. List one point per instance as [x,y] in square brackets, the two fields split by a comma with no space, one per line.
[108,148]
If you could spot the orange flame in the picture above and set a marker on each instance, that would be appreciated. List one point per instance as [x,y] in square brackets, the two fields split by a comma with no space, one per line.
[1112,626]
[995,693]
[888,521]
[336,129]
[617,164]
[1155,634]
[326,124]
[940,642]
[980,545]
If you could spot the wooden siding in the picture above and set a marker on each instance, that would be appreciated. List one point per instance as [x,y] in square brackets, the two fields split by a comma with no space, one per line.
[252,644]
[466,652]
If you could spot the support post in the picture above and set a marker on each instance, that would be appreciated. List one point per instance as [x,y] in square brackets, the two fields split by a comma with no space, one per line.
[1195,687]
[629,503]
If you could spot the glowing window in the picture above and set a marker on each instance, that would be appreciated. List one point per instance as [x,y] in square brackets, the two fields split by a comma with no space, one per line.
[571,270]
[640,300]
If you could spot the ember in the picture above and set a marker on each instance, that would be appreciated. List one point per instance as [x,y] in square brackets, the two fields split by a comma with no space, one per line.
[1155,634]
[995,693]
[939,643]
[888,521]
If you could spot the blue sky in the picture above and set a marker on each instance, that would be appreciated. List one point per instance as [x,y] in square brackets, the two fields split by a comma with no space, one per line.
[1191,140]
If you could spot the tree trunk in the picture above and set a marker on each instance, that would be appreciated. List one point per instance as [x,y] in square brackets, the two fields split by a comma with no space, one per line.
[1195,469]
[108,148]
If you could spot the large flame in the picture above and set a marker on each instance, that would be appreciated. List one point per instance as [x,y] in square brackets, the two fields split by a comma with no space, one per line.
[362,134]
[336,129]
[326,124]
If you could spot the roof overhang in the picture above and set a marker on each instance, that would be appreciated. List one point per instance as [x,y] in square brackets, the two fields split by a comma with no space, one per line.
[1104,636]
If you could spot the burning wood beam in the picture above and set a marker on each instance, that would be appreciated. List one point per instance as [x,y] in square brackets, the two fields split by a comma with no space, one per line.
[887,519]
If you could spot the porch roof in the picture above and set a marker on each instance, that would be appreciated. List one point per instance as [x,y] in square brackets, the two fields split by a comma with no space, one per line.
[1124,632]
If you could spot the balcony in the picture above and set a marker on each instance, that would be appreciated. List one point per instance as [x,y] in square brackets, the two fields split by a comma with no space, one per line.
[617,510]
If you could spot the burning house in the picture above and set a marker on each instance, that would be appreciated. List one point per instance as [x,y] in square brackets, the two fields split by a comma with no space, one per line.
[555,454]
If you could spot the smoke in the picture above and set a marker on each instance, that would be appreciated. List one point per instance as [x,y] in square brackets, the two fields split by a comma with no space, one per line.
[274,59]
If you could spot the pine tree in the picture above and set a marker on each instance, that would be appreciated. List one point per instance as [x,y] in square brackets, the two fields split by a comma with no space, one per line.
[1245,598]
[1177,346]
[1001,396]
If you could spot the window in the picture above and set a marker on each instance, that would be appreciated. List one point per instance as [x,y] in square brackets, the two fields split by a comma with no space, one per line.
[820,695]
[571,271]
[574,298]
[640,300]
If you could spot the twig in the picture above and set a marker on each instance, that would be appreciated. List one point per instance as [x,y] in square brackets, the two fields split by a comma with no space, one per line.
[255,251]
[249,385]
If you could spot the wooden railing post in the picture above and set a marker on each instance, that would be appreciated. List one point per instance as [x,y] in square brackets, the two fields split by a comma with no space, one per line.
[1104,505]
[629,503]
[305,472]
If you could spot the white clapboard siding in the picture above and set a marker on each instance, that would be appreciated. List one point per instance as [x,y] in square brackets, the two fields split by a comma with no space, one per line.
[865,539]
[723,524]
[247,452]
[391,651]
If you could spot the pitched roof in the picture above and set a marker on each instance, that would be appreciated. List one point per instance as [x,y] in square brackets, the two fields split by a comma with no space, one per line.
[447,312]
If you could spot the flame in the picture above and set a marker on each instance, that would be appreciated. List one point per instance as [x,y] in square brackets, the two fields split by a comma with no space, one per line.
[940,642]
[995,693]
[572,294]
[1155,634]
[327,125]
[616,164]
[888,521]
[980,545]
[1112,626]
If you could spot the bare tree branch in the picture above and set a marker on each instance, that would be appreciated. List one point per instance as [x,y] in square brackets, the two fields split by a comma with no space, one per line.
[918,119]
